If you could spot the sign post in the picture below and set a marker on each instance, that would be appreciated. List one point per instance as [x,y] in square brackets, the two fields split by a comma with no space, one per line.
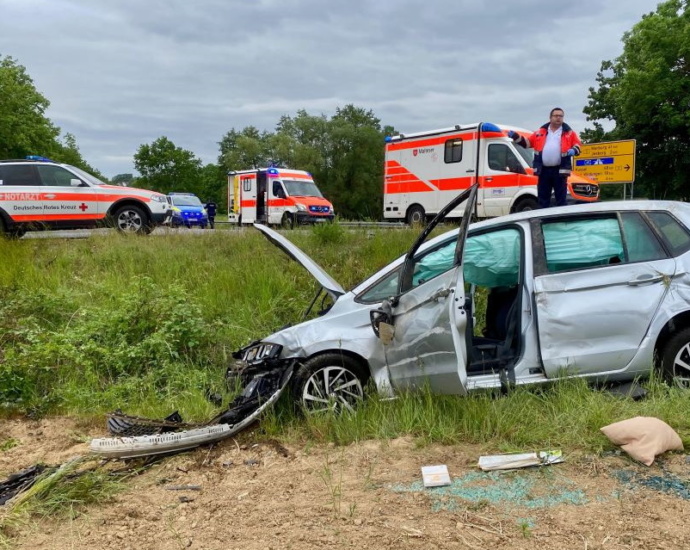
[608,162]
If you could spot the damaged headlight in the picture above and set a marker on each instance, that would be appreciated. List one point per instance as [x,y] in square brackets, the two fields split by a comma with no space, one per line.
[261,352]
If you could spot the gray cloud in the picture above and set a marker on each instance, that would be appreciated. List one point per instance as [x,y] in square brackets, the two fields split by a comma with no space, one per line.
[121,73]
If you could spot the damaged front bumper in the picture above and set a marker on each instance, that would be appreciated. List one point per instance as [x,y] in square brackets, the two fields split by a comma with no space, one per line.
[261,391]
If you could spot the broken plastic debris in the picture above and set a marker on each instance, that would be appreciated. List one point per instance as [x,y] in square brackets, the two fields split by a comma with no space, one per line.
[520,460]
[435,476]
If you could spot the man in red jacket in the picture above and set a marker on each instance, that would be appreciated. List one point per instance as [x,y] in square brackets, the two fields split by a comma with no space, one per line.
[554,144]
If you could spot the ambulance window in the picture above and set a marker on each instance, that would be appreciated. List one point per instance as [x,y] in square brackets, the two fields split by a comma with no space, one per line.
[502,158]
[453,151]
[55,176]
[278,190]
[247,184]
[18,174]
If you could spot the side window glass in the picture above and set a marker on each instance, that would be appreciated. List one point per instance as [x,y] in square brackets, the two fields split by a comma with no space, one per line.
[675,235]
[501,158]
[640,241]
[278,190]
[493,259]
[582,243]
[55,176]
[430,265]
[18,174]
[453,151]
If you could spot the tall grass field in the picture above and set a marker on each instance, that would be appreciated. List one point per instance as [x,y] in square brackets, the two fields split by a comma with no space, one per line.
[148,325]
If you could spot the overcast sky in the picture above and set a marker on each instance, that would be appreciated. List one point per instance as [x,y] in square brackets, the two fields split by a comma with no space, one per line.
[121,73]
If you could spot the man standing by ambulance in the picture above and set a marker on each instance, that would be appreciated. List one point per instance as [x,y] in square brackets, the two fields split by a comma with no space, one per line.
[554,144]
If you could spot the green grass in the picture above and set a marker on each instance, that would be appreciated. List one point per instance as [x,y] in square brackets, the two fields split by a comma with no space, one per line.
[148,325]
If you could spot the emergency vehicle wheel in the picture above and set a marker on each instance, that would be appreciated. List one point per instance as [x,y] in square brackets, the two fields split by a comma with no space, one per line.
[416,215]
[527,204]
[287,221]
[330,382]
[131,219]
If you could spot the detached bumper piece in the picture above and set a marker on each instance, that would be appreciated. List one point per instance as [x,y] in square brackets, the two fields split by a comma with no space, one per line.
[172,436]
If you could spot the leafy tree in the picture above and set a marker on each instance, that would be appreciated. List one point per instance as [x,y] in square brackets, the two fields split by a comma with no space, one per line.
[646,93]
[214,185]
[24,128]
[165,167]
[123,179]
[243,150]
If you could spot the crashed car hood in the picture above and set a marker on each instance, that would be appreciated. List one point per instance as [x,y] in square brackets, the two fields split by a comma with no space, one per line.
[324,279]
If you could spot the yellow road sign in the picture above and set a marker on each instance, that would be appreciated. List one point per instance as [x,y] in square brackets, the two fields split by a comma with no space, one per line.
[607,162]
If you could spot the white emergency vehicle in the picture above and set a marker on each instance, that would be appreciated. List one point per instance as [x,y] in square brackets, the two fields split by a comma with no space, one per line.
[276,196]
[37,193]
[426,170]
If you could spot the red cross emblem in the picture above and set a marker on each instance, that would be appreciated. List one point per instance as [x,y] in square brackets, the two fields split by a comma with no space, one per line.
[83,207]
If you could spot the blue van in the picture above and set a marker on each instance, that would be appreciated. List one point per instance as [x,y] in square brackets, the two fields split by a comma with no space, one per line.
[187,210]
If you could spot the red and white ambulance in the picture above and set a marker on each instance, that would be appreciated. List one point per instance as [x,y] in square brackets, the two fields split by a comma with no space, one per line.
[37,193]
[276,196]
[424,171]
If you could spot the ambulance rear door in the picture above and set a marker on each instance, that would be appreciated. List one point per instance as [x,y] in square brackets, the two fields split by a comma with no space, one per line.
[248,187]
[20,192]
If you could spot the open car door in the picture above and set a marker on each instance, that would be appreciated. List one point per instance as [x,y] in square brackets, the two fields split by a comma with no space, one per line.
[427,314]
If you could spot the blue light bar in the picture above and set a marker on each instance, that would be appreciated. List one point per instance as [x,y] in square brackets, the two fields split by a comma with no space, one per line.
[272,171]
[488,127]
[37,157]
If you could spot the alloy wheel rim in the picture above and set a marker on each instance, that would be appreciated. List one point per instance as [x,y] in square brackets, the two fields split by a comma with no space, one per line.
[681,366]
[129,221]
[332,389]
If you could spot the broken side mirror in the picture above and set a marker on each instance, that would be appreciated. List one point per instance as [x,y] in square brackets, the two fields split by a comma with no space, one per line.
[382,323]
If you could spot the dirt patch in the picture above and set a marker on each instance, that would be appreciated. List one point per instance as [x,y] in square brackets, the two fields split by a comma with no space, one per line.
[256,494]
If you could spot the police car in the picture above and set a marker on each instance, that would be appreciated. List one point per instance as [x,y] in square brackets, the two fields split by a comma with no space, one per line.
[37,193]
[187,210]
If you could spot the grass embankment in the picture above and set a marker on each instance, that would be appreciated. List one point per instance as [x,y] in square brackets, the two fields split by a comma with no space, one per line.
[148,325]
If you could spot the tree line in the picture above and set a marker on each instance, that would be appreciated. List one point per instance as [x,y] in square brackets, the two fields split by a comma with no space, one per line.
[645,93]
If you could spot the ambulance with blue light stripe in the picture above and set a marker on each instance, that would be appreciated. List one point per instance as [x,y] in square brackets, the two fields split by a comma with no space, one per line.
[276,196]
[37,193]
[424,171]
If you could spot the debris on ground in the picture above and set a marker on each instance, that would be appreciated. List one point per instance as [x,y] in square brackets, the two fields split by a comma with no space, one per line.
[643,437]
[435,476]
[138,437]
[519,460]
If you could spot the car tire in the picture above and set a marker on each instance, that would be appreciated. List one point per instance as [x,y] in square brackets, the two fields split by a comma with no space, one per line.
[329,383]
[675,359]
[416,215]
[132,219]
[526,204]
[287,221]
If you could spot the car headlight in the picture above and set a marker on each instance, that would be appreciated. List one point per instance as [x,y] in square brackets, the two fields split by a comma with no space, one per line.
[261,352]
[301,207]
[159,198]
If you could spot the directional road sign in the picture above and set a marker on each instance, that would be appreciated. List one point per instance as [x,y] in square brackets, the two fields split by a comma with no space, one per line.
[607,162]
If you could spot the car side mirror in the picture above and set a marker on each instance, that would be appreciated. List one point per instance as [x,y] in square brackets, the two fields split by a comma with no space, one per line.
[382,323]
[74,182]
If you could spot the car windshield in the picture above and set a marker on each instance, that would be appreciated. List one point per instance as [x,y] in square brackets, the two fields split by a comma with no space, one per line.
[301,188]
[90,178]
[186,200]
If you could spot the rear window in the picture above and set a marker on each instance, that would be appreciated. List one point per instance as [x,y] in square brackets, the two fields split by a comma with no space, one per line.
[673,232]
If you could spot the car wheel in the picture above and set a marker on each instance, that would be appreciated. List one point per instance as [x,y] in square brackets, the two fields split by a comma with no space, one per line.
[330,382]
[675,360]
[132,219]
[416,215]
[527,204]
[287,221]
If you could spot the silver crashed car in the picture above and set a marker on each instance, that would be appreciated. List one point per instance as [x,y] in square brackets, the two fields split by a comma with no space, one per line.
[599,291]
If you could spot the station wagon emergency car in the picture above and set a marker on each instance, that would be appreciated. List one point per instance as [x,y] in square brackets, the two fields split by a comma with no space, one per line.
[37,193]
[600,291]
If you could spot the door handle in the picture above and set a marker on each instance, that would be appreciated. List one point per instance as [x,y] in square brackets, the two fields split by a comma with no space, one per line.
[647,279]
[488,178]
